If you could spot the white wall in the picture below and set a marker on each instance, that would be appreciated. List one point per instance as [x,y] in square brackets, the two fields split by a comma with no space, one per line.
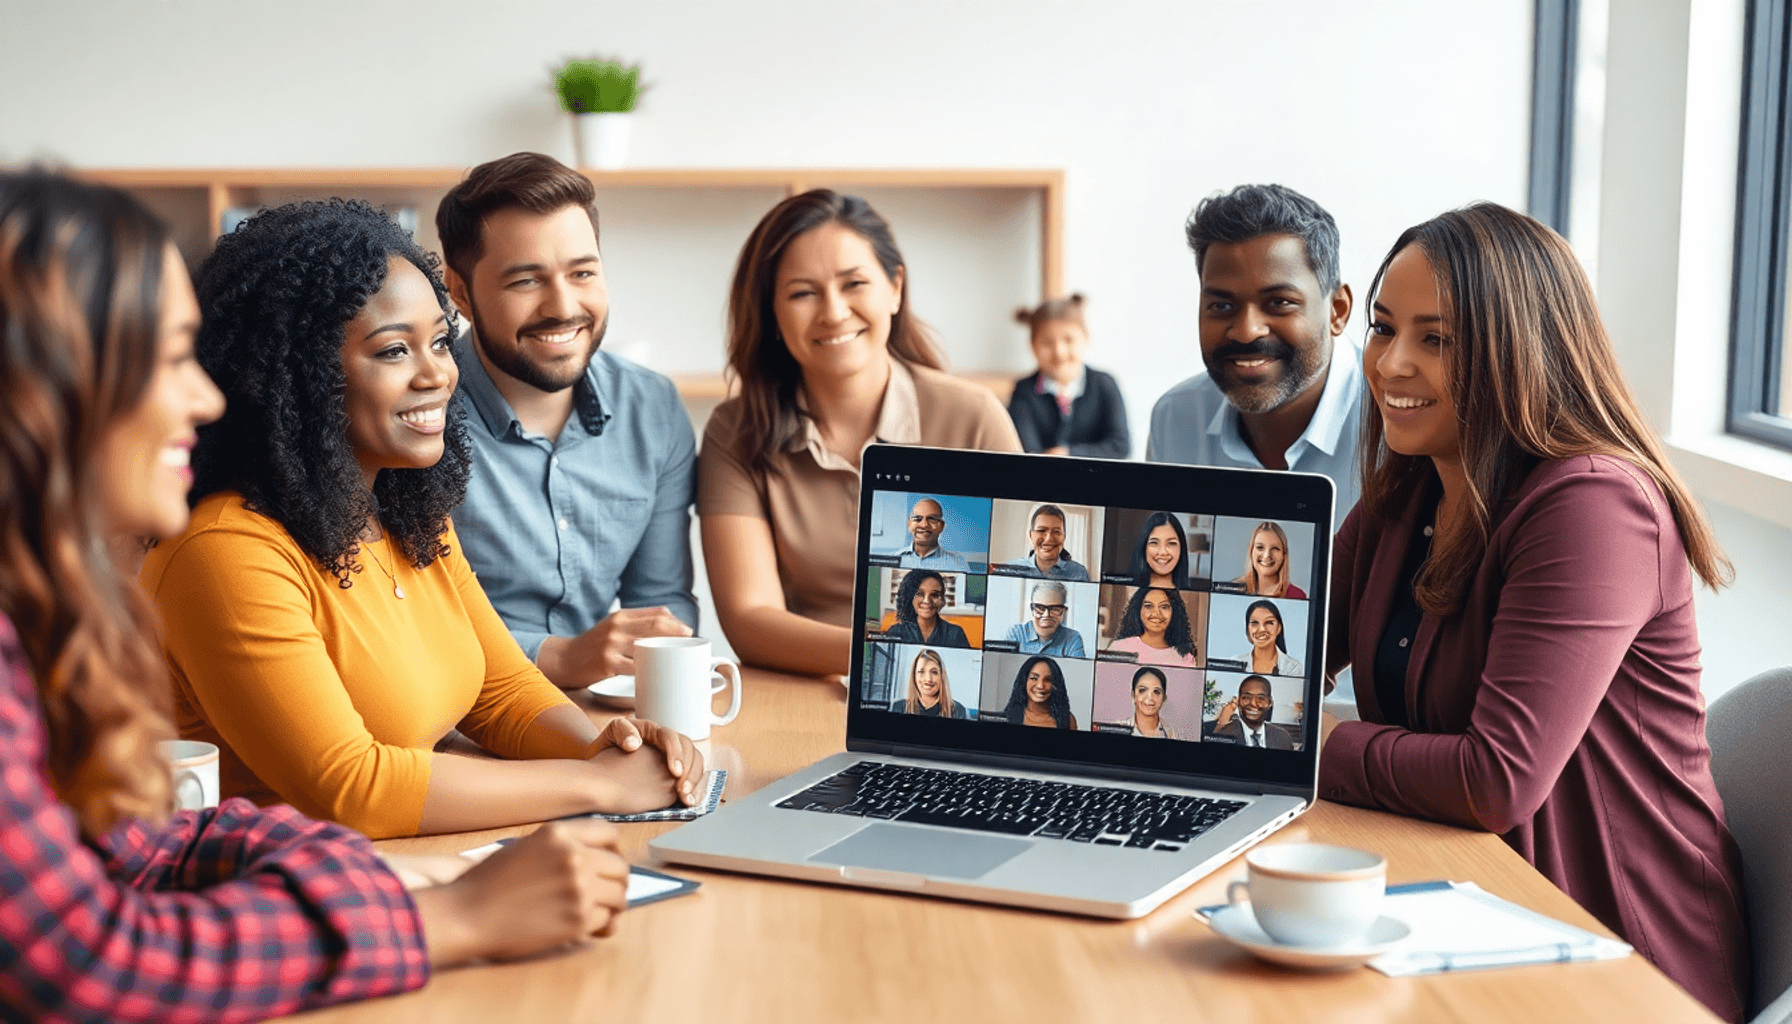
[1386,112]
[1667,235]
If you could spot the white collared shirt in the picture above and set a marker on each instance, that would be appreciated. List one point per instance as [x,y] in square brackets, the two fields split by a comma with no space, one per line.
[1193,424]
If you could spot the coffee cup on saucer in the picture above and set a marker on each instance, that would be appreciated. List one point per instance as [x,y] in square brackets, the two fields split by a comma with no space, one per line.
[1312,894]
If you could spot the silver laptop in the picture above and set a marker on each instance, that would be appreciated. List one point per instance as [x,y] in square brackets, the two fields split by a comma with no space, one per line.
[1081,685]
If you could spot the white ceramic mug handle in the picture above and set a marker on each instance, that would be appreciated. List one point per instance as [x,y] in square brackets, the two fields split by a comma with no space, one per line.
[715,665]
[1234,889]
[182,776]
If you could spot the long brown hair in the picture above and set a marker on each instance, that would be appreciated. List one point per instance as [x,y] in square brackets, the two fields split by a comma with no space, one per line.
[1533,377]
[80,303]
[757,358]
[913,704]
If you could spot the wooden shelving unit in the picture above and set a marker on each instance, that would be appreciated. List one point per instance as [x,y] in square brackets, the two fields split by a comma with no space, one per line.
[178,193]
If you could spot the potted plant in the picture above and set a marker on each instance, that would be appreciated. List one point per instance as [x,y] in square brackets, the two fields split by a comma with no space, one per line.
[600,94]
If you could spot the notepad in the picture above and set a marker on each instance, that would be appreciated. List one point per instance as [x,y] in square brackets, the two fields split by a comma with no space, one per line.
[1459,926]
[713,783]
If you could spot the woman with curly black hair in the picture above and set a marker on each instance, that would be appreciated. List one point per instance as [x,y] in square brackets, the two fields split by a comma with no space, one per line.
[323,627]
[1156,628]
[918,621]
[1038,696]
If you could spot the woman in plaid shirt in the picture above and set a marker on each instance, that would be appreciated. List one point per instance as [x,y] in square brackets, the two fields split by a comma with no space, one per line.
[111,909]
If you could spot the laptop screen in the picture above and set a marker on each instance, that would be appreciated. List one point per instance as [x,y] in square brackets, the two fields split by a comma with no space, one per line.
[1168,619]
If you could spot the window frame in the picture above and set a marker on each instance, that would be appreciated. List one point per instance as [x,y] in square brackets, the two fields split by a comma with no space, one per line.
[1554,55]
[1763,217]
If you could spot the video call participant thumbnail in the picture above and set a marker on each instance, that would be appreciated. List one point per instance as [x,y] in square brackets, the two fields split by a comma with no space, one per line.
[1046,632]
[1244,719]
[1039,696]
[919,600]
[1149,701]
[1266,564]
[1271,630]
[1156,628]
[926,521]
[1046,555]
[929,689]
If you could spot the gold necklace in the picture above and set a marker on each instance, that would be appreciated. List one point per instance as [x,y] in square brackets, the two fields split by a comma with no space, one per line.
[397,591]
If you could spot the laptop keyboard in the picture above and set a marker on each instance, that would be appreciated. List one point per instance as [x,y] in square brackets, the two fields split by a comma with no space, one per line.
[1021,807]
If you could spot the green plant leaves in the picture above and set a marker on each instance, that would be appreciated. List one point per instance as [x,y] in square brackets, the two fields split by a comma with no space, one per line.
[595,85]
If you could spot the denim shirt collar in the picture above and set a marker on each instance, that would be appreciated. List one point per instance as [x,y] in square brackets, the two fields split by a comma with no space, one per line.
[497,414]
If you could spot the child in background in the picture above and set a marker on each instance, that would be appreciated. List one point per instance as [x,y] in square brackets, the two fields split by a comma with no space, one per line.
[1066,408]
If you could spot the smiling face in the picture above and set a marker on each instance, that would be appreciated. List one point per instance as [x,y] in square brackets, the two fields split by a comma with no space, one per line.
[1162,551]
[142,462]
[1047,537]
[928,680]
[833,303]
[926,521]
[1263,627]
[1405,361]
[1267,554]
[1059,346]
[399,374]
[930,597]
[1148,694]
[1254,702]
[1155,613]
[538,300]
[1266,323]
[1048,608]
[1040,684]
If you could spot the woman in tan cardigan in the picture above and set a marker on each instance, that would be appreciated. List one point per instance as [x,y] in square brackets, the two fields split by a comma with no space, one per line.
[829,359]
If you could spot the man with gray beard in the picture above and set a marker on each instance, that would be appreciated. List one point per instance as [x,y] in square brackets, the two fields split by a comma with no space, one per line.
[1272,306]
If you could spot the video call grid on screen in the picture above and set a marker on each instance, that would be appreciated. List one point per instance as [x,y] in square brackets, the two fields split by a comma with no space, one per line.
[1221,568]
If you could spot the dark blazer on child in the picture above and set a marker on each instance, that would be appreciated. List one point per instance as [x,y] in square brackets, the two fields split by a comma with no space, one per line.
[1096,425]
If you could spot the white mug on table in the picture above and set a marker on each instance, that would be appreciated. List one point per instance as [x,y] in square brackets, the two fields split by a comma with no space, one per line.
[1312,894]
[673,684]
[194,766]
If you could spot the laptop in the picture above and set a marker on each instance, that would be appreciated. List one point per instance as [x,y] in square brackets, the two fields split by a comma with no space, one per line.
[1077,685]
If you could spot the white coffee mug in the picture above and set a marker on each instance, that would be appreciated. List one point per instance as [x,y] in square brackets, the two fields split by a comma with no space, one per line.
[672,684]
[1311,894]
[195,768]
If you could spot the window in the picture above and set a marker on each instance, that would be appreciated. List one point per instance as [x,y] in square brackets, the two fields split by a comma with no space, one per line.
[1760,388]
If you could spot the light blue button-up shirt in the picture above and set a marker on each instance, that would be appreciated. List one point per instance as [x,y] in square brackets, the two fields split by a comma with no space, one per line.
[1065,568]
[940,560]
[1064,643]
[1193,424]
[558,531]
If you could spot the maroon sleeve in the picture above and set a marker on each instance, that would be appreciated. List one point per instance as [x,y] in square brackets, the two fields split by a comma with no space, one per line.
[1582,578]
[230,914]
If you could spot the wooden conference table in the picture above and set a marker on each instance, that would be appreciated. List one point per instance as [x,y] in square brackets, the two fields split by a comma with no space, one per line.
[758,949]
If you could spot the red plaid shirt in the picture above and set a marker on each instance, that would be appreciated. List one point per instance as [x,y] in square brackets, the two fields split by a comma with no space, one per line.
[230,914]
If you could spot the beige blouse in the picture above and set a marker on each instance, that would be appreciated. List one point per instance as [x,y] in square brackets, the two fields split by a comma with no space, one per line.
[811,495]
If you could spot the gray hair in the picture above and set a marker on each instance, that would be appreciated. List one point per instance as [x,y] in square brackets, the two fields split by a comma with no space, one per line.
[1252,211]
[1063,591]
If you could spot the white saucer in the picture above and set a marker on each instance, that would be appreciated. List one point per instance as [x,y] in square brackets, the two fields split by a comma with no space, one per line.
[616,691]
[619,691]
[1238,926]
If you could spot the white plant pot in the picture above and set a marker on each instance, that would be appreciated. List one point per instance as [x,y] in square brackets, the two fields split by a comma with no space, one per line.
[602,139]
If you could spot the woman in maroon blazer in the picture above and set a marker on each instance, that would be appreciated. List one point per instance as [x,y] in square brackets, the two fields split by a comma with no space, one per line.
[1515,591]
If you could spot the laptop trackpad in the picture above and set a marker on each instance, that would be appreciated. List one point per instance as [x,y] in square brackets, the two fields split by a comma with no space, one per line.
[923,851]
